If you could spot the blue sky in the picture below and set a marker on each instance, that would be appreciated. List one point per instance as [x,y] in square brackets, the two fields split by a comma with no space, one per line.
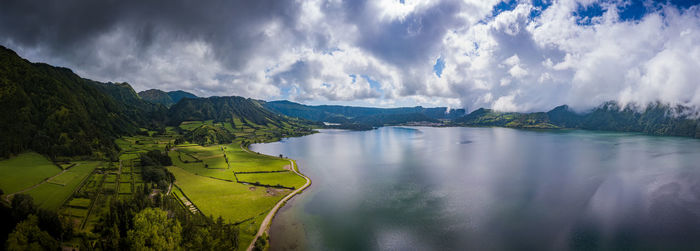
[509,55]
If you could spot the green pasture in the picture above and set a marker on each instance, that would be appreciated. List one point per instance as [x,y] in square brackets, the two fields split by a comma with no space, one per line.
[232,201]
[191,125]
[79,202]
[125,188]
[78,172]
[241,161]
[199,169]
[24,171]
[288,179]
[93,183]
[52,195]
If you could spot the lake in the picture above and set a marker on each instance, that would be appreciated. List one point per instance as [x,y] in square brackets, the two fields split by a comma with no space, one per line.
[424,188]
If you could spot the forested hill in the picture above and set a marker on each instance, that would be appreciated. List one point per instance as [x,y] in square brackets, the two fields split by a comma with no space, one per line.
[144,113]
[654,119]
[366,115]
[221,109]
[53,111]
[164,98]
[176,96]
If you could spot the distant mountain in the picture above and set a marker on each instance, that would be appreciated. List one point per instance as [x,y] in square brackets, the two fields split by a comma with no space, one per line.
[488,117]
[655,119]
[157,97]
[394,119]
[53,111]
[364,115]
[176,96]
[164,98]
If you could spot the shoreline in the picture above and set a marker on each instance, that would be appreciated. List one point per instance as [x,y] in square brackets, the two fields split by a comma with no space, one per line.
[266,223]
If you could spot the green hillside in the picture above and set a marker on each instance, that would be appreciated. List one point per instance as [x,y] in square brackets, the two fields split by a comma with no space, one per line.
[55,112]
[166,99]
[157,97]
[142,112]
[176,96]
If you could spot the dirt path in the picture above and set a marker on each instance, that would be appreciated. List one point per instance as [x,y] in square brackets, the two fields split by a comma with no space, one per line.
[265,226]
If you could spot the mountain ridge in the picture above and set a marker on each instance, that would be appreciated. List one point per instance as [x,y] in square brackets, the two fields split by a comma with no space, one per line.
[167,99]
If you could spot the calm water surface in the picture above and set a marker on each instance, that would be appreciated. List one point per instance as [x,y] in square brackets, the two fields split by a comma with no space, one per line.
[490,189]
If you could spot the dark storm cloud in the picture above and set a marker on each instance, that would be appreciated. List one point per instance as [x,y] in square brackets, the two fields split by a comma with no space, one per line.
[408,40]
[64,28]
[518,58]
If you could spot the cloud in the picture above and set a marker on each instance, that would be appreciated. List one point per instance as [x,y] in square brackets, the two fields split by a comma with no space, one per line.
[522,56]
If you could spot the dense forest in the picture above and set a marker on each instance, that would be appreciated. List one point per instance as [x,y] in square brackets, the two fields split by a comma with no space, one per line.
[208,135]
[167,99]
[142,222]
[222,109]
[55,112]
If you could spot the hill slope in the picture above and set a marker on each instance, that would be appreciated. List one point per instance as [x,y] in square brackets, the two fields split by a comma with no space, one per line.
[176,96]
[157,97]
[143,113]
[167,99]
[53,111]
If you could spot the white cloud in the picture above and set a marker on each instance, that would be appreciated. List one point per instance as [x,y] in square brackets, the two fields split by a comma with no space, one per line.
[309,51]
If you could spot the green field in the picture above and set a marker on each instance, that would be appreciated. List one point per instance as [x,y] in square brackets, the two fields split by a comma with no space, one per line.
[79,172]
[288,179]
[198,168]
[138,177]
[75,212]
[242,161]
[206,176]
[24,171]
[51,196]
[232,201]
[125,188]
[93,183]
[79,202]
[190,125]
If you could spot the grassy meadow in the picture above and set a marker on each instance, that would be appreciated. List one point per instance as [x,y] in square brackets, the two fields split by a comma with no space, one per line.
[207,176]
[52,194]
[233,201]
[25,170]
[287,179]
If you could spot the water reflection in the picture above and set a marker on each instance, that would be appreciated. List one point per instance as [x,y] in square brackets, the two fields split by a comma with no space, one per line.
[491,189]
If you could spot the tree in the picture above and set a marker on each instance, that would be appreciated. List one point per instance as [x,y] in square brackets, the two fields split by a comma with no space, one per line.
[154,231]
[22,206]
[28,236]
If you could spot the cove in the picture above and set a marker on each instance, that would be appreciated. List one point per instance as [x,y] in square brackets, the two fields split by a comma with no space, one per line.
[424,188]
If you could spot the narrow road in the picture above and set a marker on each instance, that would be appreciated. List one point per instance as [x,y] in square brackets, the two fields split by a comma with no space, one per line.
[268,219]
